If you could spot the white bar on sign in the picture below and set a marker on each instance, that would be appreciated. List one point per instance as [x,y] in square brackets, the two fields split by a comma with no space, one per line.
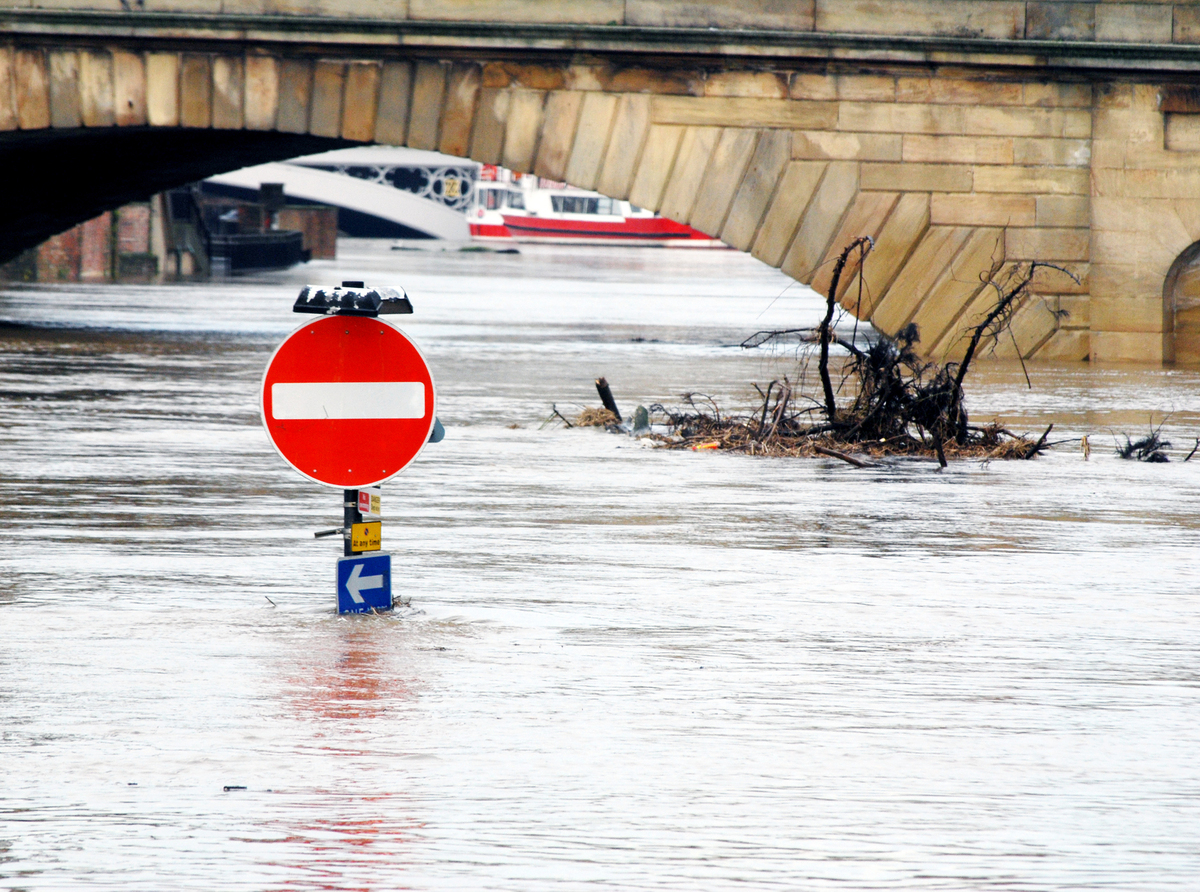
[348,399]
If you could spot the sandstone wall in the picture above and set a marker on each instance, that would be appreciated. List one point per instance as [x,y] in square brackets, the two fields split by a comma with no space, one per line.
[951,170]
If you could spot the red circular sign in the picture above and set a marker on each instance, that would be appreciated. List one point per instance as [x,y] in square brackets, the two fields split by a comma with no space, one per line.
[348,401]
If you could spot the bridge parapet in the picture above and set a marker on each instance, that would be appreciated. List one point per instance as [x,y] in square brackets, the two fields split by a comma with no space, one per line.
[1145,22]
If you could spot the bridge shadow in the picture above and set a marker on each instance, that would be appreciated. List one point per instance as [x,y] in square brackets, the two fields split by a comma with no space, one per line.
[69,176]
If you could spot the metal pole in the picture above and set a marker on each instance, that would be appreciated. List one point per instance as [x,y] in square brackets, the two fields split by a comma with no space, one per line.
[350,516]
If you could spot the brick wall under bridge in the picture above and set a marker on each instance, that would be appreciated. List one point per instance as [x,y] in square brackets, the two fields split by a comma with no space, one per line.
[968,143]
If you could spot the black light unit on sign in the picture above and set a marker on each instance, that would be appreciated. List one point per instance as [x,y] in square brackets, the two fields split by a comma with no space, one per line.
[351,299]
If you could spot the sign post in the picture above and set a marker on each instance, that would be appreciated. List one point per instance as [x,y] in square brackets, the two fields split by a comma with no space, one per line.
[348,401]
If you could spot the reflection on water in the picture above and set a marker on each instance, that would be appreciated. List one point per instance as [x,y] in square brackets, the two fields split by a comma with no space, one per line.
[622,667]
[353,680]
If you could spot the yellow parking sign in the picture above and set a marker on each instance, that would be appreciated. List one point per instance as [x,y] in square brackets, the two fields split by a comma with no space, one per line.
[366,536]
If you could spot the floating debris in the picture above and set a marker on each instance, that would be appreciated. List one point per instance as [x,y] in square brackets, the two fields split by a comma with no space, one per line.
[900,404]
[1151,448]
[595,418]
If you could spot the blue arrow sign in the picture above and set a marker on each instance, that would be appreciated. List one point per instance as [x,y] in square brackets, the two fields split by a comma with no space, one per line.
[364,582]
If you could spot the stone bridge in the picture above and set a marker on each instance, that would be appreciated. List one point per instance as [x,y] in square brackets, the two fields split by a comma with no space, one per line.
[958,133]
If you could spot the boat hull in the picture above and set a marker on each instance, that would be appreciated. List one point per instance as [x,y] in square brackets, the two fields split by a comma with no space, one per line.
[639,231]
[490,231]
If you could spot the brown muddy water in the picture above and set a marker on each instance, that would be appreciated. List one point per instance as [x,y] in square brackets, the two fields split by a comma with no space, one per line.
[617,667]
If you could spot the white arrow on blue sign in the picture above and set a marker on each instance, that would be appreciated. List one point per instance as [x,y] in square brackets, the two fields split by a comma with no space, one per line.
[364,583]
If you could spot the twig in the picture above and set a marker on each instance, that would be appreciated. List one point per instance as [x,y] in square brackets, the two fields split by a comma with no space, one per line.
[1039,445]
[1194,448]
[762,421]
[1002,306]
[937,447]
[554,411]
[864,243]
[858,303]
[851,348]
[997,320]
[1012,334]
[781,402]
[833,453]
[761,337]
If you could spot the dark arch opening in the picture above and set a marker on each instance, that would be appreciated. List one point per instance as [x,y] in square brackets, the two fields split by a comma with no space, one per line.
[59,178]
[1181,308]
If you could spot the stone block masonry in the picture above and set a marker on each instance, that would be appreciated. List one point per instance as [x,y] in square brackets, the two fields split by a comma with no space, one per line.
[961,135]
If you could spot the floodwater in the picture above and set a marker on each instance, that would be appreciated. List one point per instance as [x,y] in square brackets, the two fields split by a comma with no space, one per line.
[616,667]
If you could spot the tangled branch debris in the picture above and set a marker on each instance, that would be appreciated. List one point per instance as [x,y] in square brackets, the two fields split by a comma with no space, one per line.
[898,404]
[1150,448]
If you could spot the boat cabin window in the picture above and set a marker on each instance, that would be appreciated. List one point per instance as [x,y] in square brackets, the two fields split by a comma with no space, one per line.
[492,199]
[582,204]
[497,199]
[575,204]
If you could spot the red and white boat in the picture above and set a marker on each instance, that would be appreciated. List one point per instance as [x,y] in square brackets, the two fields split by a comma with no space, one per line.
[525,208]
[496,191]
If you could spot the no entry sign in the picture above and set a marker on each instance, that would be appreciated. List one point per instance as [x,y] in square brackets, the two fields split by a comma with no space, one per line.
[348,401]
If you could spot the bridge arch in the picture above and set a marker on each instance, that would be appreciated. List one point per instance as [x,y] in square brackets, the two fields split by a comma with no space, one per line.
[1181,308]
[950,173]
